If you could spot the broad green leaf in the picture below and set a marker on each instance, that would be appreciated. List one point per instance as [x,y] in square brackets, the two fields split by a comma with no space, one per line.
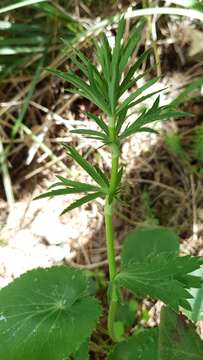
[163,276]
[150,266]
[141,243]
[83,352]
[46,314]
[196,302]
[141,346]
[82,201]
[127,312]
[178,339]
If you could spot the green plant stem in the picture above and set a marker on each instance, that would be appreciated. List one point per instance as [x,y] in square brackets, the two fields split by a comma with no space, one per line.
[108,212]
[6,177]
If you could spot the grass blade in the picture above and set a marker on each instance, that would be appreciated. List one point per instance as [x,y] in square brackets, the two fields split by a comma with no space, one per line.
[26,102]
[6,177]
[19,4]
[184,94]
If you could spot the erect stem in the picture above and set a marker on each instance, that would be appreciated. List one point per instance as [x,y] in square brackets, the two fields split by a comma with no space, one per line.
[108,212]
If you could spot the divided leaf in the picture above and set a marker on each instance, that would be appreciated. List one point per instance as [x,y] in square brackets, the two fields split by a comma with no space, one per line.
[75,187]
[141,346]
[152,115]
[77,184]
[161,276]
[141,243]
[178,339]
[133,68]
[90,169]
[150,266]
[92,133]
[99,121]
[46,314]
[62,191]
[85,199]
[126,103]
[196,302]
